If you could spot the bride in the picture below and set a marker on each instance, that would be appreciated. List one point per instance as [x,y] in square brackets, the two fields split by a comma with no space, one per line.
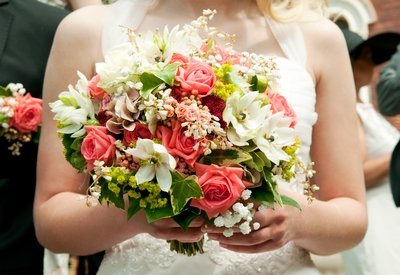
[316,78]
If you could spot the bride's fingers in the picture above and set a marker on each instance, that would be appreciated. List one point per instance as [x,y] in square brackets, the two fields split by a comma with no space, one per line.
[176,233]
[254,238]
[170,223]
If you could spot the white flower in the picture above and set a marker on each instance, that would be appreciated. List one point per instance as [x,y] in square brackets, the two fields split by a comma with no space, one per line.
[275,134]
[244,115]
[154,161]
[73,108]
[120,69]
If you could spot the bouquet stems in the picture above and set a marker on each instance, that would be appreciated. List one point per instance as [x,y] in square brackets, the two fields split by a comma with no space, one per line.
[188,249]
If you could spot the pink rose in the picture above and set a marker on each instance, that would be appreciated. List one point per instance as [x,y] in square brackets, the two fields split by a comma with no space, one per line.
[195,78]
[140,131]
[180,58]
[279,104]
[178,144]
[95,91]
[97,145]
[222,187]
[27,114]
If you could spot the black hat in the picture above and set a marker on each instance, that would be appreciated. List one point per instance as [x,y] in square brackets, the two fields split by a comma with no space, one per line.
[395,174]
[382,45]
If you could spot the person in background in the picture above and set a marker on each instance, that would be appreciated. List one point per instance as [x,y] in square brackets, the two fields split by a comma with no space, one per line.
[27,29]
[388,90]
[380,247]
[388,95]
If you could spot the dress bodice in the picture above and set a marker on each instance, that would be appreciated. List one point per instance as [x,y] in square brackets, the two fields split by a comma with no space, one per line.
[144,254]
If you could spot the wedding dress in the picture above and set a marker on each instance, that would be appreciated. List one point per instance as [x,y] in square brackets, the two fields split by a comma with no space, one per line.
[380,249]
[144,254]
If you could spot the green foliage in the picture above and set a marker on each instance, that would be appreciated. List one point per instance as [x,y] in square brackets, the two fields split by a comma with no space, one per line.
[109,195]
[151,80]
[5,92]
[229,157]
[73,153]
[182,190]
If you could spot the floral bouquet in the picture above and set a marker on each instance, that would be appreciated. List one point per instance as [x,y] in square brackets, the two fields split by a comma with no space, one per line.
[20,115]
[177,126]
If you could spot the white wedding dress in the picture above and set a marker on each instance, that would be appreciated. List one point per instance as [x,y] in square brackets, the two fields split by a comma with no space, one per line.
[144,254]
[379,252]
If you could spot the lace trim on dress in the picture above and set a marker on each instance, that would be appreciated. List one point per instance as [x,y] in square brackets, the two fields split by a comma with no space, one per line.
[144,253]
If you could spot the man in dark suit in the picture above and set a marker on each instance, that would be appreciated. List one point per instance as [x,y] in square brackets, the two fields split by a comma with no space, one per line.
[27,28]
[388,95]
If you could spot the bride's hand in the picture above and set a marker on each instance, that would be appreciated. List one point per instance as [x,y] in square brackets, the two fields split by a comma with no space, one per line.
[168,229]
[274,232]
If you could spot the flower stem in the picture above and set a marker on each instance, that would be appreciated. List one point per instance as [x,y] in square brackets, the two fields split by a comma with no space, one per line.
[188,249]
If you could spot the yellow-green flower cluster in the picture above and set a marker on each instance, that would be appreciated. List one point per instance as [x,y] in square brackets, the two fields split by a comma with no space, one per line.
[287,171]
[148,193]
[223,87]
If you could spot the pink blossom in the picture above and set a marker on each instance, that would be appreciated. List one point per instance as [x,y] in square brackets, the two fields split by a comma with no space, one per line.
[140,131]
[279,104]
[95,91]
[97,145]
[27,114]
[195,78]
[178,144]
[222,187]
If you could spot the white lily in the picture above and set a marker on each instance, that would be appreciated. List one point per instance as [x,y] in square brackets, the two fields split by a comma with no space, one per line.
[74,108]
[275,134]
[244,114]
[155,161]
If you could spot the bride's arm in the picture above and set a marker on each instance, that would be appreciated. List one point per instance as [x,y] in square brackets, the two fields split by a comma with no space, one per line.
[63,222]
[337,219]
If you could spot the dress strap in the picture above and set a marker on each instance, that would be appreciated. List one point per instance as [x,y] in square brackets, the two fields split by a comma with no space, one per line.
[290,39]
[123,13]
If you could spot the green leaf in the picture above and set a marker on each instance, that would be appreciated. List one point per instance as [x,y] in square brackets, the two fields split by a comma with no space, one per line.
[259,83]
[109,196]
[134,207]
[5,92]
[219,156]
[272,185]
[158,213]
[182,190]
[185,218]
[263,195]
[289,201]
[168,73]
[151,80]
[73,155]
[78,161]
[258,161]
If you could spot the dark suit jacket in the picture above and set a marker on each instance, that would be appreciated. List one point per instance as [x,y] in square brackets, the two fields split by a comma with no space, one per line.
[395,174]
[388,87]
[27,29]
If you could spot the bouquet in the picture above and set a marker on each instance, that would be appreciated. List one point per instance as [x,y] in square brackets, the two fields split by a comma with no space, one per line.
[20,116]
[180,127]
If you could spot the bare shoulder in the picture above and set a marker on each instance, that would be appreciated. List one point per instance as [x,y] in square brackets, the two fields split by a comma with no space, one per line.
[79,35]
[82,24]
[325,43]
[320,31]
